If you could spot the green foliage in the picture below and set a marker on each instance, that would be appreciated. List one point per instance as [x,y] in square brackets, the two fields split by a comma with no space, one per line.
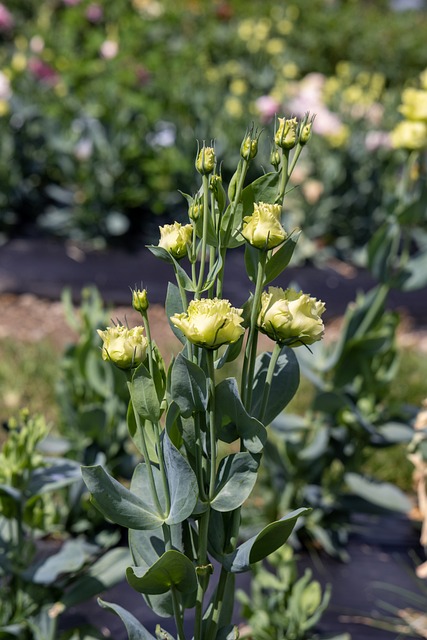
[281,604]
[33,585]
[95,137]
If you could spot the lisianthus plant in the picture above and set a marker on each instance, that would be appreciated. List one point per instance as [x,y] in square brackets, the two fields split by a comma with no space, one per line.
[202,438]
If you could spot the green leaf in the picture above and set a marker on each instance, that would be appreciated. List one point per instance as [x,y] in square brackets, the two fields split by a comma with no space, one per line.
[231,352]
[264,189]
[161,253]
[103,574]
[135,433]
[140,487]
[172,569]
[182,481]
[415,273]
[173,304]
[281,258]
[134,628]
[143,394]
[189,387]
[284,384]
[59,474]
[229,404]
[260,546]
[69,559]
[237,474]
[381,494]
[251,261]
[382,250]
[117,503]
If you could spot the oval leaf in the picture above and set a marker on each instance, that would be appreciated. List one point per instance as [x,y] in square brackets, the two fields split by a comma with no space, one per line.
[237,475]
[189,387]
[183,486]
[260,546]
[134,628]
[284,384]
[143,394]
[117,503]
[172,569]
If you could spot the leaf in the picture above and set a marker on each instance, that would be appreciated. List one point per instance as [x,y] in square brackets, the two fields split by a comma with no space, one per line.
[263,189]
[231,352]
[59,474]
[229,404]
[237,474]
[69,559]
[134,628]
[117,503]
[143,394]
[381,494]
[136,435]
[251,262]
[103,574]
[173,304]
[260,546]
[284,384]
[161,253]
[182,481]
[172,569]
[140,486]
[189,387]
[382,250]
[415,273]
[281,258]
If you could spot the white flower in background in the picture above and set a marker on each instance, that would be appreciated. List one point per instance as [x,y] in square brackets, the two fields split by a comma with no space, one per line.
[5,90]
[109,49]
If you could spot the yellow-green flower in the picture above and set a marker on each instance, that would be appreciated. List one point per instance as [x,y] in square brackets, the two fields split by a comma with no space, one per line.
[409,135]
[263,228]
[205,161]
[210,323]
[414,104]
[286,134]
[175,238]
[291,317]
[126,348]
[140,300]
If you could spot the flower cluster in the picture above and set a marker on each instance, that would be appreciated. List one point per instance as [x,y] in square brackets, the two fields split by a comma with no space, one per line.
[411,133]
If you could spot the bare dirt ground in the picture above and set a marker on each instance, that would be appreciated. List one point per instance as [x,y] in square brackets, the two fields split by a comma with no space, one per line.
[28,318]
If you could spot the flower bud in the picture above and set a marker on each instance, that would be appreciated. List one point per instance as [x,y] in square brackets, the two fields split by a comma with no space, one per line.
[305,130]
[290,317]
[263,228]
[275,158]
[205,162]
[140,300]
[195,210]
[210,323]
[175,238]
[249,147]
[286,134]
[215,185]
[126,348]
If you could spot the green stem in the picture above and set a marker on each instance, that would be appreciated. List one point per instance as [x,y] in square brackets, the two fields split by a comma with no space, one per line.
[203,572]
[206,213]
[199,458]
[146,457]
[284,176]
[380,298]
[217,605]
[179,621]
[149,350]
[165,483]
[268,380]
[212,434]
[251,343]
[233,205]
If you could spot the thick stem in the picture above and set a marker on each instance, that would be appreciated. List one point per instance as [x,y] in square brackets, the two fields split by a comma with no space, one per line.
[251,343]
[206,213]
[203,572]
[217,605]
[146,457]
[212,434]
[284,177]
[179,620]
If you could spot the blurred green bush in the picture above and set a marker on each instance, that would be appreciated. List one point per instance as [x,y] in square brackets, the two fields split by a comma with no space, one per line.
[100,104]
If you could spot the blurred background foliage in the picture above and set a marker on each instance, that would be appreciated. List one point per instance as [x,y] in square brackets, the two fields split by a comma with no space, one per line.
[101,104]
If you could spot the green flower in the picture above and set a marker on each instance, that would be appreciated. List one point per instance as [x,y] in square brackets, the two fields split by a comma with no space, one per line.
[263,228]
[126,348]
[210,323]
[175,238]
[291,317]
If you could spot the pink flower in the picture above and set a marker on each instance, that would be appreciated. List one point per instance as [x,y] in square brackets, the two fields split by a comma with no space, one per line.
[267,107]
[377,140]
[6,19]
[94,13]
[109,49]
[43,71]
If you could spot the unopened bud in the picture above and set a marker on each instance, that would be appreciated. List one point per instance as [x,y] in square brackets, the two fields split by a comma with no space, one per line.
[306,130]
[286,134]
[249,148]
[195,210]
[275,158]
[140,300]
[205,162]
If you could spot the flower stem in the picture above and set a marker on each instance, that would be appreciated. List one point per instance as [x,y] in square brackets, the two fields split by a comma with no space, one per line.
[212,434]
[251,343]
[177,614]
[206,212]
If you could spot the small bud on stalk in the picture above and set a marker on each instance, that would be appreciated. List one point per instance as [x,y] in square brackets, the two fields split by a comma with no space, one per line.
[286,134]
[140,300]
[205,162]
